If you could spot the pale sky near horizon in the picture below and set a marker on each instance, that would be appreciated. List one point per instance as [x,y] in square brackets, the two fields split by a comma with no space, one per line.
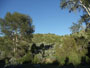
[46,14]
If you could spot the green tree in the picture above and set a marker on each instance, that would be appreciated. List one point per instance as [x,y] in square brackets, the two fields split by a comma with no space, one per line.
[16,24]
[16,27]
[81,5]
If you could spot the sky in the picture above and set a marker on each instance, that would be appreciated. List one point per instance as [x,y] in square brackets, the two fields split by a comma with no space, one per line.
[47,15]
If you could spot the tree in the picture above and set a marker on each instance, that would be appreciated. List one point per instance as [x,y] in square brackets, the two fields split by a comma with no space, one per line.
[16,26]
[74,5]
[16,23]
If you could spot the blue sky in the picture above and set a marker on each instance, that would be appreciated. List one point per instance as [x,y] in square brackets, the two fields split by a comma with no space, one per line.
[46,14]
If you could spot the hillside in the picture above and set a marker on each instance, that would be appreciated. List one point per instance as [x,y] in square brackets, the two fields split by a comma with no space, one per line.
[46,38]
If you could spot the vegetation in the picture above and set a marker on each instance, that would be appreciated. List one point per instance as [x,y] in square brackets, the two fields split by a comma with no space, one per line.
[80,5]
[18,44]
[16,33]
[48,48]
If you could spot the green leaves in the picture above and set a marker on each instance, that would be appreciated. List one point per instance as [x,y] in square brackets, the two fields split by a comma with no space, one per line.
[70,49]
[16,23]
[75,27]
[16,29]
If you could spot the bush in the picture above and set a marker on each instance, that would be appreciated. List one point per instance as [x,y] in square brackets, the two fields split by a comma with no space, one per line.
[37,59]
[27,58]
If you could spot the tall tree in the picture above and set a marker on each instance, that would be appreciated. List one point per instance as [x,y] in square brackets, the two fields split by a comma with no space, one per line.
[83,5]
[17,26]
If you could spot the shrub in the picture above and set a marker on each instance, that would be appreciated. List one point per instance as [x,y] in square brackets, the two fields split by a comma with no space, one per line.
[37,59]
[26,58]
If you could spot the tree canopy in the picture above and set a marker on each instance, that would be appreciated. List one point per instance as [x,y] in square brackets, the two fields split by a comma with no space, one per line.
[80,5]
[76,5]
[16,24]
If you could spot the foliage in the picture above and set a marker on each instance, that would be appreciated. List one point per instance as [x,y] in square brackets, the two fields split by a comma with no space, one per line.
[73,5]
[62,47]
[70,49]
[16,33]
[44,48]
[75,27]
[46,38]
[26,58]
[16,23]
[37,59]
[81,5]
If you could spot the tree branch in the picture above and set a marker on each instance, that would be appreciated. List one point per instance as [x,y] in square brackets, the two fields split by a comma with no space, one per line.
[87,9]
